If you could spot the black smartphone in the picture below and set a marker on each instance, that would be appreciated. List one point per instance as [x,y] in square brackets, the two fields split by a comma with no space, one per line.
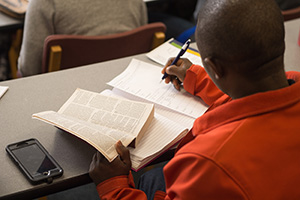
[34,161]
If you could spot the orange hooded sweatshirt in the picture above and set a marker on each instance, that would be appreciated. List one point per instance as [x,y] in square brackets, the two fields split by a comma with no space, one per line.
[248,148]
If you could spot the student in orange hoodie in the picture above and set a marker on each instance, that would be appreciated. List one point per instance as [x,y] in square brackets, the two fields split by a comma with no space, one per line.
[246,146]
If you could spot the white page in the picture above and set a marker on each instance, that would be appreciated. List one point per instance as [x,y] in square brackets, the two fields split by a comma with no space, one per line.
[167,50]
[102,110]
[144,80]
[152,143]
[102,138]
[100,120]
[3,89]
[184,120]
[177,117]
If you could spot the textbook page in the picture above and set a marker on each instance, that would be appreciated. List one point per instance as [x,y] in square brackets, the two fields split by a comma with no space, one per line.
[177,117]
[161,135]
[170,49]
[101,120]
[102,138]
[144,80]
[3,89]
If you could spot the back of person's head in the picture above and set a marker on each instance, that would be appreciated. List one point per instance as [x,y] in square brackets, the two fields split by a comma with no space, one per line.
[246,34]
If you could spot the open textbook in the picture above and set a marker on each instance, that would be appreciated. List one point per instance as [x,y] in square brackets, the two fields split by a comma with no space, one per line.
[165,131]
[101,120]
[174,110]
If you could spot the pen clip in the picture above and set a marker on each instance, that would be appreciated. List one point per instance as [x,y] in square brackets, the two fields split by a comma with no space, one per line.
[186,45]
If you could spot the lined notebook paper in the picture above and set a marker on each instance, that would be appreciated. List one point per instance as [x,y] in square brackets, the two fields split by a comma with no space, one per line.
[144,80]
[161,135]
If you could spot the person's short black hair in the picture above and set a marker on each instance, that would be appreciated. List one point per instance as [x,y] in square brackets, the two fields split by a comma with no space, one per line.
[241,31]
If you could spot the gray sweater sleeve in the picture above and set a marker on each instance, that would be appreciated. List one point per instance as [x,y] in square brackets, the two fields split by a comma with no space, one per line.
[38,25]
[85,17]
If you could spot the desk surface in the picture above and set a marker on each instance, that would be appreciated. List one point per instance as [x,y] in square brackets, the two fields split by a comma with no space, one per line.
[8,23]
[48,92]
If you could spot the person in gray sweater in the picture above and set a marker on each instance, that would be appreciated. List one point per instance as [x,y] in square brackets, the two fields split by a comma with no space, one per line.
[85,17]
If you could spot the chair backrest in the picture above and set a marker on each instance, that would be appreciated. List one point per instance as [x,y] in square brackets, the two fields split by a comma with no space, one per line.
[291,14]
[67,51]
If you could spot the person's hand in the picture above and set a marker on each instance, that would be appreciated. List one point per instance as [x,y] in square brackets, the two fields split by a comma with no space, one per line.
[176,72]
[101,170]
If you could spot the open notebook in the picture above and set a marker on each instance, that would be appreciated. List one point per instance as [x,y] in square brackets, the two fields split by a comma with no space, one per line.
[175,111]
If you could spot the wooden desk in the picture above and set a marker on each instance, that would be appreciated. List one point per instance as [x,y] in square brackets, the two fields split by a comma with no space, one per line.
[48,92]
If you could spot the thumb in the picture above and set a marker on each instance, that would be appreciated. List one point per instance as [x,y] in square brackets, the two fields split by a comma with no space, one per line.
[123,152]
[175,71]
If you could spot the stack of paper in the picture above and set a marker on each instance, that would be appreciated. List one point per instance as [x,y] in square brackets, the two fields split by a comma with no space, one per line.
[170,49]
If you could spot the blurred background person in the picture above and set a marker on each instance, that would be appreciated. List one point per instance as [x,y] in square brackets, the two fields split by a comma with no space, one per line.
[288,4]
[71,17]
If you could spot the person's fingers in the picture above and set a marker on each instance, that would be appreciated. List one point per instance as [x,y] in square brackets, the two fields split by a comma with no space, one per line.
[175,71]
[93,163]
[99,156]
[177,84]
[172,70]
[168,79]
[123,152]
[95,157]
[167,65]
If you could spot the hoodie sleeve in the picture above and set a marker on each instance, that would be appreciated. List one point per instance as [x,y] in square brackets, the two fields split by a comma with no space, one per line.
[198,83]
[122,188]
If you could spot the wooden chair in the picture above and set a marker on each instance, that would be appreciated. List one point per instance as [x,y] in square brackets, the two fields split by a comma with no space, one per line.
[14,51]
[291,14]
[67,51]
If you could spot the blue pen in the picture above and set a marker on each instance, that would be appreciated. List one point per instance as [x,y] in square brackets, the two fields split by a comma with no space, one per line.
[182,51]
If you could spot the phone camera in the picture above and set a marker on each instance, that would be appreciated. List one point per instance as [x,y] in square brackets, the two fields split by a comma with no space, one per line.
[46,173]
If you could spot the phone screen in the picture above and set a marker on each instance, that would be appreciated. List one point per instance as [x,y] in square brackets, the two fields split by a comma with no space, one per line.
[34,159]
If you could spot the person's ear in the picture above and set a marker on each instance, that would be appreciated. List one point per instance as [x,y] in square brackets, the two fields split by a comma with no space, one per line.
[214,67]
